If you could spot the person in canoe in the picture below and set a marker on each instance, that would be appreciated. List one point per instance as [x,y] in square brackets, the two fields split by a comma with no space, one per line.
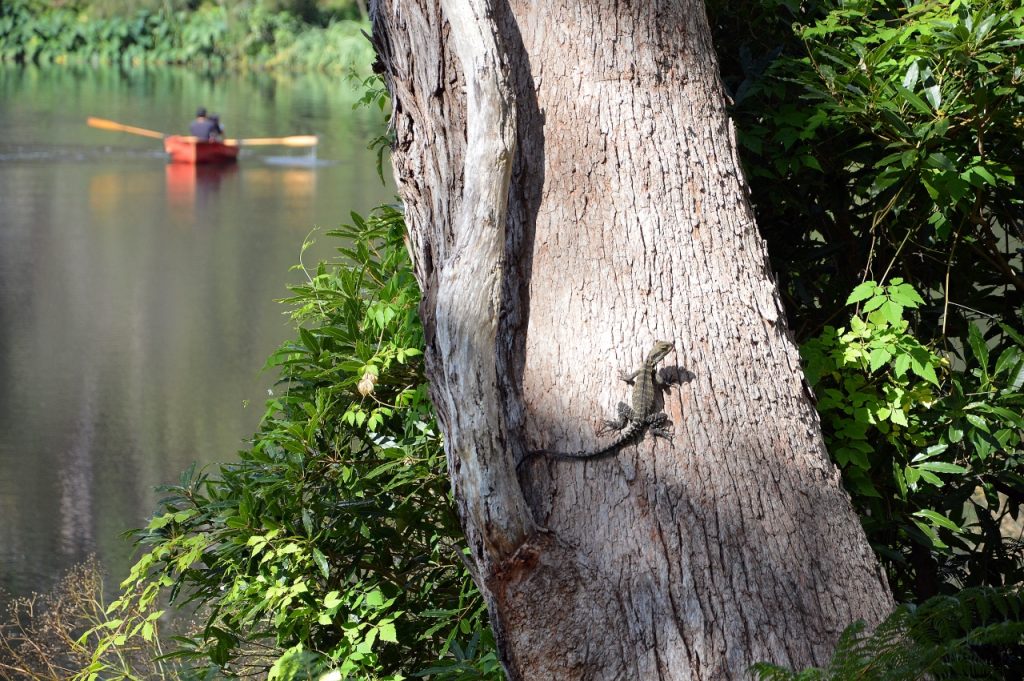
[205,128]
[220,129]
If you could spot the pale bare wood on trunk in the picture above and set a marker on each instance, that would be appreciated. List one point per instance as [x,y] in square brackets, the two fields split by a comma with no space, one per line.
[627,221]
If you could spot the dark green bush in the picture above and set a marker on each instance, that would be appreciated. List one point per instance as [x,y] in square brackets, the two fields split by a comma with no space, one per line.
[883,140]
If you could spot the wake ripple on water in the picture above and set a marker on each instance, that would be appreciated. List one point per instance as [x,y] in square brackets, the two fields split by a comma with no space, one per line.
[41,153]
[298,161]
[73,153]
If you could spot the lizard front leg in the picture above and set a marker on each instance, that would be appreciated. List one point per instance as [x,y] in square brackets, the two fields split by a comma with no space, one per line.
[630,377]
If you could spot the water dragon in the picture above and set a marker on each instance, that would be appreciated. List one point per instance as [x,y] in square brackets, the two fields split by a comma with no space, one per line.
[632,419]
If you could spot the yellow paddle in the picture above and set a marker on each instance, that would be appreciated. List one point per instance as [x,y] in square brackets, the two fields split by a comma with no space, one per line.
[290,141]
[104,124]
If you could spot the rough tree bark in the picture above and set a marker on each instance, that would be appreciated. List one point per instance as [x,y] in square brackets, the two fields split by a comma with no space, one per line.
[573,194]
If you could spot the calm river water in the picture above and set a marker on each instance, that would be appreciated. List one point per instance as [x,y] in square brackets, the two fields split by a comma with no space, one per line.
[137,297]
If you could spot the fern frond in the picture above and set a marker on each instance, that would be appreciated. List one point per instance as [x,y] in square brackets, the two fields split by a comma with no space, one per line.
[974,635]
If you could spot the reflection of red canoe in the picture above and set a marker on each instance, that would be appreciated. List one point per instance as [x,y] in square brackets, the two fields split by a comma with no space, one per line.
[190,150]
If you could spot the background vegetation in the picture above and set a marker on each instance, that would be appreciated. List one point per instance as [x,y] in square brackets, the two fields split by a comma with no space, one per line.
[282,34]
[883,140]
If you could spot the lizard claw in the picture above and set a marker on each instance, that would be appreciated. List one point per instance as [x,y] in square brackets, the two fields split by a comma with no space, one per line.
[662,433]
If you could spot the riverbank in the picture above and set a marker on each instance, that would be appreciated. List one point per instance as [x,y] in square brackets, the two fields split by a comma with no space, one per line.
[211,37]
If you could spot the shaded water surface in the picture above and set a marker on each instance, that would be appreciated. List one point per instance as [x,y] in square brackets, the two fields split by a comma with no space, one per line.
[136,297]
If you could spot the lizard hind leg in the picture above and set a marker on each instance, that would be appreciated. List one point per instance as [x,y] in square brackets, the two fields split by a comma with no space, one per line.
[656,425]
[626,414]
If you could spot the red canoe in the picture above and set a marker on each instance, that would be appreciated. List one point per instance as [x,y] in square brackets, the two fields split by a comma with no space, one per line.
[184,149]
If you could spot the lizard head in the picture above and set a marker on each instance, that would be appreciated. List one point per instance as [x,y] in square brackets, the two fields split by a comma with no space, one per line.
[658,352]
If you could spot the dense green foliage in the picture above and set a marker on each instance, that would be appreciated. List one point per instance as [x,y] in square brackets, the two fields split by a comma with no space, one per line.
[332,544]
[214,36]
[924,449]
[883,140]
[886,139]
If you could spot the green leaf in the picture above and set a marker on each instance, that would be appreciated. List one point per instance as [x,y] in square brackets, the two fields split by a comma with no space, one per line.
[321,562]
[920,364]
[874,303]
[893,312]
[1007,360]
[981,172]
[910,79]
[899,417]
[901,481]
[978,347]
[940,161]
[913,99]
[941,467]
[905,295]
[934,450]
[332,600]
[978,422]
[982,447]
[159,522]
[309,340]
[930,534]
[937,519]
[860,482]
[901,365]
[387,632]
[862,292]
[878,358]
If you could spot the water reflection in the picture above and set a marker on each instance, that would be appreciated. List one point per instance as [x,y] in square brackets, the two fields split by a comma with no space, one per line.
[136,296]
[192,190]
[76,474]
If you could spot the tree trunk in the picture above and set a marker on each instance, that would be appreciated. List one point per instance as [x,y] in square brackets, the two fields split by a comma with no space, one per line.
[573,194]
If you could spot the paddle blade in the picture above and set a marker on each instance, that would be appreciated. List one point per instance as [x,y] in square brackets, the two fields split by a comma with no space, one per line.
[104,124]
[290,141]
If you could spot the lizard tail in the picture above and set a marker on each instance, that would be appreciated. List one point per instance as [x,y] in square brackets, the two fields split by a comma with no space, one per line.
[625,436]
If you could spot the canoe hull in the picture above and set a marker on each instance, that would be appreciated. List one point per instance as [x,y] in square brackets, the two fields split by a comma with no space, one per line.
[184,149]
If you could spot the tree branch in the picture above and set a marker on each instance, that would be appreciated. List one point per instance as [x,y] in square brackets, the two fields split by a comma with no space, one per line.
[469,293]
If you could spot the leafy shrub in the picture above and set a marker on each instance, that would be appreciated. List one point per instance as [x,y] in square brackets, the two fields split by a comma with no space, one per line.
[886,137]
[883,139]
[930,449]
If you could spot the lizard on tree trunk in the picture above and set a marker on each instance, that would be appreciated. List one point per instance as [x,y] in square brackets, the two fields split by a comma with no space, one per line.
[632,419]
